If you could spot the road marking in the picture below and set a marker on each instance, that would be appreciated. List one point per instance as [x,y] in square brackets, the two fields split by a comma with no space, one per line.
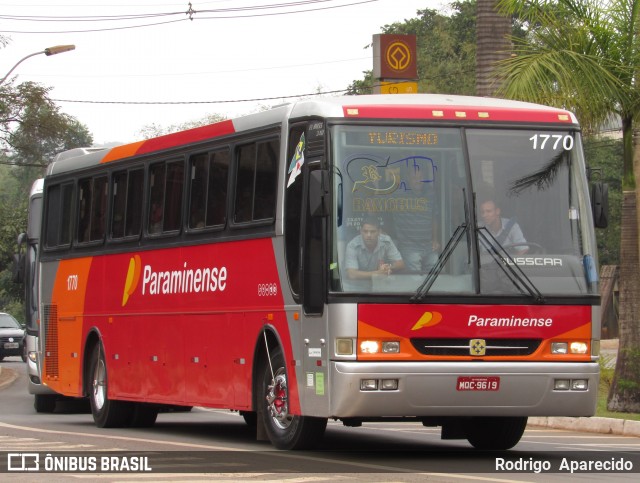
[121,438]
[278,454]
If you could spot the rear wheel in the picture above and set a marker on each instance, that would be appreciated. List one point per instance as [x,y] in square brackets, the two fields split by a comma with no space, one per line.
[285,430]
[495,433]
[106,413]
[45,403]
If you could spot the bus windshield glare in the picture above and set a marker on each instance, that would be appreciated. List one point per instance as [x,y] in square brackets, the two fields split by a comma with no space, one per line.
[471,211]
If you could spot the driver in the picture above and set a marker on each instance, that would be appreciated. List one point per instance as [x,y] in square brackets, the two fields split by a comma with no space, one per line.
[506,231]
[372,253]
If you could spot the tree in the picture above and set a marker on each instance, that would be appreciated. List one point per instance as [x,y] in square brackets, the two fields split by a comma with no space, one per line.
[446,50]
[493,34]
[583,55]
[32,131]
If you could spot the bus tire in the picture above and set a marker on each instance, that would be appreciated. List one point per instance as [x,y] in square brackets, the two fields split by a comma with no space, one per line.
[285,431]
[44,403]
[495,433]
[106,412]
[143,415]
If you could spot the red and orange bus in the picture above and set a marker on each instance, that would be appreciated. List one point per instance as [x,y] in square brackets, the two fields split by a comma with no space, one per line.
[216,267]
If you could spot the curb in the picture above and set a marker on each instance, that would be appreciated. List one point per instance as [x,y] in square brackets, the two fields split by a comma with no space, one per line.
[7,376]
[624,427]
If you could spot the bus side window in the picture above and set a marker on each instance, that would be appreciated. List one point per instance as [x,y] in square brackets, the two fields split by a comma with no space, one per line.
[208,195]
[264,203]
[119,194]
[173,196]
[217,188]
[255,195]
[127,193]
[92,209]
[243,210]
[59,206]
[156,199]
[98,209]
[84,210]
[166,180]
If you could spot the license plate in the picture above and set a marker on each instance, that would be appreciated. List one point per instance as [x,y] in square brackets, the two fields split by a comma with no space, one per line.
[10,345]
[478,383]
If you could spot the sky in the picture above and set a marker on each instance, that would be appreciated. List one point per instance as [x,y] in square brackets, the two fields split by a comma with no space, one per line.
[144,62]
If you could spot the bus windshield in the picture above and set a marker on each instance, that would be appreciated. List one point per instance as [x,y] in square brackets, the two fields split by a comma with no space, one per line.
[471,211]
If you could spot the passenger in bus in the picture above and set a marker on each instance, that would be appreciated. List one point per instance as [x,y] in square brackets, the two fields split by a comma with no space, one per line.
[155,218]
[506,231]
[372,253]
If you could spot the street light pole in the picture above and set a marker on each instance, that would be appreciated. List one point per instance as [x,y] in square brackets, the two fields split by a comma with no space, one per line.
[58,49]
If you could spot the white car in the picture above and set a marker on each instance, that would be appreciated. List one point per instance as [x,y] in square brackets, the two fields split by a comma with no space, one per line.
[12,336]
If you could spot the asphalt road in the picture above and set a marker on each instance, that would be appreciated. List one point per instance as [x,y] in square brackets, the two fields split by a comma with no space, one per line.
[208,444]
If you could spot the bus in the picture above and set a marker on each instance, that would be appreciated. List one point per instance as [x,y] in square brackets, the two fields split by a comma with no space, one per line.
[330,259]
[26,265]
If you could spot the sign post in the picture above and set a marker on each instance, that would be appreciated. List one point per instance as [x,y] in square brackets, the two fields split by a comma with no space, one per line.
[395,64]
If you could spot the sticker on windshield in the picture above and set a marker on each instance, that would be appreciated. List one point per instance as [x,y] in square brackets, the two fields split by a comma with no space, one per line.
[295,168]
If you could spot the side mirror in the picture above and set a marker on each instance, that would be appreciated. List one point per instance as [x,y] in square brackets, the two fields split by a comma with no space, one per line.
[319,193]
[17,275]
[600,204]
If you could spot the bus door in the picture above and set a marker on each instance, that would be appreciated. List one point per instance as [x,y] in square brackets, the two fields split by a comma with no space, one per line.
[305,238]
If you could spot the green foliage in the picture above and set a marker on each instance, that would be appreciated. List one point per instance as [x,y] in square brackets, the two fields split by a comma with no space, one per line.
[32,131]
[446,50]
[605,155]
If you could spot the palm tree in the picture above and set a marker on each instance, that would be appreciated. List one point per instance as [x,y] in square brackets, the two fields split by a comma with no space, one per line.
[583,55]
[493,40]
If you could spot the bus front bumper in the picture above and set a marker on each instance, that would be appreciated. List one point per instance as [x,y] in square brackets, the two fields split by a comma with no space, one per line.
[366,389]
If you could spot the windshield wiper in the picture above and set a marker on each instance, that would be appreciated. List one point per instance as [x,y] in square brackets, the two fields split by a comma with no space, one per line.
[504,260]
[431,277]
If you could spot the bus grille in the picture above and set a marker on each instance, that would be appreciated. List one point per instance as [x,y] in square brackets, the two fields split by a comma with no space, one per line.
[51,370]
[463,347]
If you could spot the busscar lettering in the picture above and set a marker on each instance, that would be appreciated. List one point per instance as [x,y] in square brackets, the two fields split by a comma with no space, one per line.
[512,321]
[183,281]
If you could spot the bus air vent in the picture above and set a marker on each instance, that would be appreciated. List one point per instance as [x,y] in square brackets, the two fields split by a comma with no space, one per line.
[462,347]
[51,342]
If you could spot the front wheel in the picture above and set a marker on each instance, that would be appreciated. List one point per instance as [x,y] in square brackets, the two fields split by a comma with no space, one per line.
[106,412]
[285,430]
[488,433]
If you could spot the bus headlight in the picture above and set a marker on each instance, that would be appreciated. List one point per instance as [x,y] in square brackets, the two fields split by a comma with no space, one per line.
[391,347]
[559,347]
[369,346]
[573,347]
[376,346]
[578,348]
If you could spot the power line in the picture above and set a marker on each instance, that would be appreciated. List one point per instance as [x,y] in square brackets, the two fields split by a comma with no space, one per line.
[219,14]
[232,101]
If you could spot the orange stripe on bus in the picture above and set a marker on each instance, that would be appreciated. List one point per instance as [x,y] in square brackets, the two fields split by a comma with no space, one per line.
[120,152]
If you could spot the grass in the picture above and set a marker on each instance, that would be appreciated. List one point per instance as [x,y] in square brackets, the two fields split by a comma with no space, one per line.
[606,376]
